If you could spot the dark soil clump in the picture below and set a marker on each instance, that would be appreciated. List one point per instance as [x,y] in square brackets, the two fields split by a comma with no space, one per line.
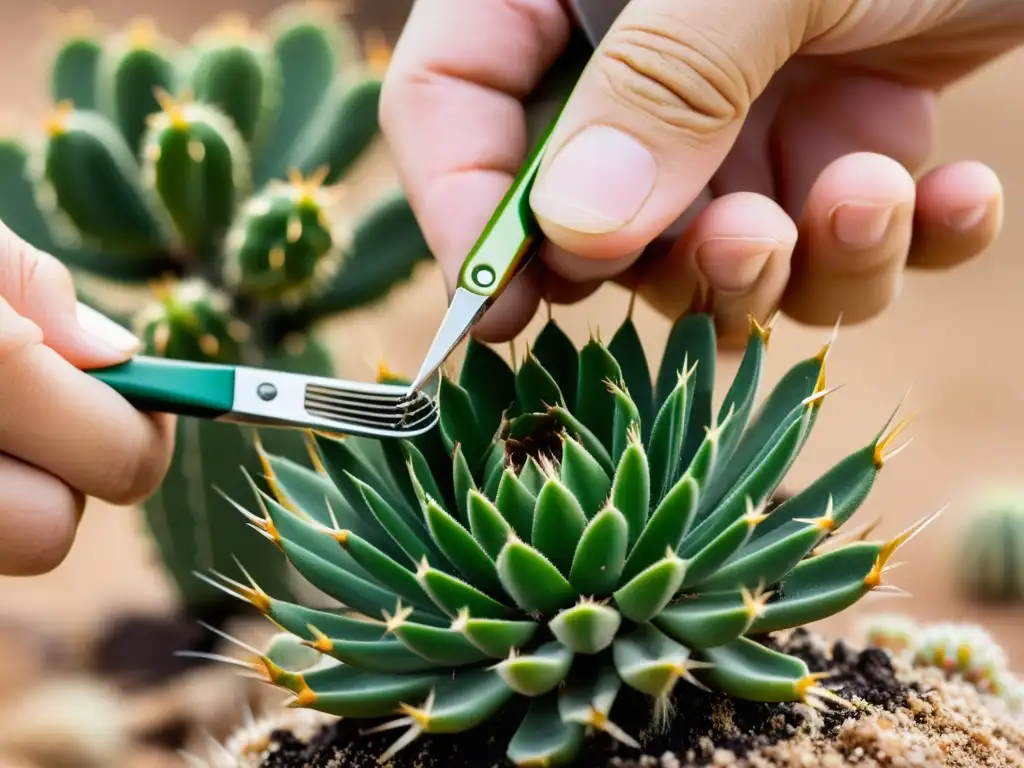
[700,718]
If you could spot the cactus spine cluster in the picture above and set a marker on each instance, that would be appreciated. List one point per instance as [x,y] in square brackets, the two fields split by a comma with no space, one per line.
[212,171]
[575,535]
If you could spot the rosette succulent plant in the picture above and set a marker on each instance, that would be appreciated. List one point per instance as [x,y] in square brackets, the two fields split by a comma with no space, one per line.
[573,529]
[212,171]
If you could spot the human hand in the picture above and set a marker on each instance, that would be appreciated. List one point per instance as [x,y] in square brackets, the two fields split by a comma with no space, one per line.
[64,435]
[740,125]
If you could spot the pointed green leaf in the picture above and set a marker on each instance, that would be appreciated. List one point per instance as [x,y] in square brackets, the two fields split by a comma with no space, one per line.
[515,502]
[595,404]
[497,638]
[340,584]
[341,457]
[345,691]
[543,738]
[650,661]
[586,628]
[532,581]
[558,524]
[692,339]
[385,570]
[584,477]
[536,389]
[532,478]
[465,701]
[302,530]
[666,528]
[459,546]
[651,590]
[536,673]
[626,421]
[588,700]
[590,441]
[413,538]
[600,554]
[73,71]
[423,480]
[555,351]
[820,587]
[707,621]
[380,655]
[453,595]
[489,528]
[705,566]
[759,485]
[848,483]
[748,670]
[459,424]
[627,348]
[782,406]
[738,403]
[667,435]
[297,619]
[462,481]
[491,385]
[493,468]
[444,646]
[631,489]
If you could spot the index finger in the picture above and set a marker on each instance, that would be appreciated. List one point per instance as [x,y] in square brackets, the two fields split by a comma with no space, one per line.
[452,113]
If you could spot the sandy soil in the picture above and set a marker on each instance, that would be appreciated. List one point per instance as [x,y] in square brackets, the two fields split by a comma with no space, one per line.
[953,337]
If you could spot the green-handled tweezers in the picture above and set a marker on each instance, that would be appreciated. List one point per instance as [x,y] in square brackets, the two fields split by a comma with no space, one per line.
[512,236]
[267,398]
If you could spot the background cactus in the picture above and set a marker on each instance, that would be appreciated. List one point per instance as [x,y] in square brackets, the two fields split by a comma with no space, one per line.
[574,533]
[211,171]
[991,547]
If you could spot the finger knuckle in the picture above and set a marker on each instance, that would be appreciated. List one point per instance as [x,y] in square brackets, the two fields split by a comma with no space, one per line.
[134,469]
[677,75]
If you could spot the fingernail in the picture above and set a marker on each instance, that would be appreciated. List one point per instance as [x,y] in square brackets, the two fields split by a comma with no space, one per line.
[733,264]
[967,219]
[597,183]
[106,330]
[861,225]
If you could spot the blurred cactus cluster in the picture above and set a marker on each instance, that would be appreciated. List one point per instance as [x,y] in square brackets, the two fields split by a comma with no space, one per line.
[212,171]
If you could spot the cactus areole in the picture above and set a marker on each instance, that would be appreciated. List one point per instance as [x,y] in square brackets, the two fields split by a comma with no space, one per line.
[573,528]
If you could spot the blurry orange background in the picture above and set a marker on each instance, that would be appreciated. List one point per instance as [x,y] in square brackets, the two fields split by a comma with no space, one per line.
[955,337]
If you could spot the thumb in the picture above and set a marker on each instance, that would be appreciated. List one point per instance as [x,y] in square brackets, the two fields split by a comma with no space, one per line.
[40,288]
[661,103]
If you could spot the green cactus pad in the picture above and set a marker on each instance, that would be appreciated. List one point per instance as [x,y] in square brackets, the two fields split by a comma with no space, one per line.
[192,322]
[509,555]
[197,163]
[234,70]
[91,175]
[282,243]
[134,68]
[73,70]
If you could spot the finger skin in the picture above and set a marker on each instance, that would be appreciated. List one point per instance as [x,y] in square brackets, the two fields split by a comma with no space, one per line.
[40,288]
[959,215]
[740,246]
[39,517]
[832,278]
[452,114]
[68,423]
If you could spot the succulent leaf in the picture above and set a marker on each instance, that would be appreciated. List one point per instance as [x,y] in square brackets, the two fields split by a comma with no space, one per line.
[544,738]
[627,348]
[647,593]
[586,628]
[73,71]
[584,477]
[93,177]
[539,672]
[347,691]
[600,554]
[557,355]
[650,661]
[495,637]
[666,527]
[536,389]
[706,621]
[445,647]
[625,422]
[490,402]
[691,339]
[453,595]
[461,549]
[748,670]
[516,502]
[487,525]
[532,581]
[558,524]
[595,403]
[459,424]
[668,434]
